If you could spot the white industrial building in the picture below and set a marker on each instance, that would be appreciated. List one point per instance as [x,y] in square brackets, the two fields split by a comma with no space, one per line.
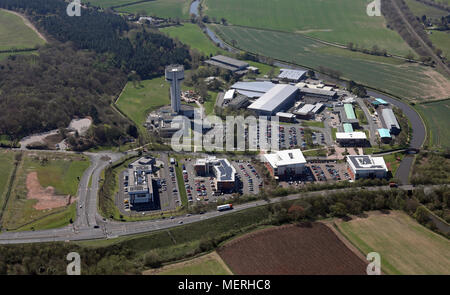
[364,166]
[390,121]
[351,138]
[285,163]
[278,98]
[139,179]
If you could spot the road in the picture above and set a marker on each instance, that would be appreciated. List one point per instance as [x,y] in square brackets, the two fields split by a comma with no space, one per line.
[85,230]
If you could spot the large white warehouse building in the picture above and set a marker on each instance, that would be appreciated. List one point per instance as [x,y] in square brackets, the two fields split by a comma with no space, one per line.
[277,99]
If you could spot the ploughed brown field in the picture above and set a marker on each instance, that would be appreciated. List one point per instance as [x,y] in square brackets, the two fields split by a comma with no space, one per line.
[292,250]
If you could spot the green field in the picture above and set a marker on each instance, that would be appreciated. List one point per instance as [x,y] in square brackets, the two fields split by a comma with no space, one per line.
[14,34]
[441,40]
[391,160]
[209,264]
[438,121]
[330,20]
[6,167]
[419,9]
[161,8]
[405,246]
[108,3]
[57,170]
[137,102]
[191,34]
[405,80]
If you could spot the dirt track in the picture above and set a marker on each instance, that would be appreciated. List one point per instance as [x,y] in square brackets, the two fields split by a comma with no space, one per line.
[291,250]
[46,196]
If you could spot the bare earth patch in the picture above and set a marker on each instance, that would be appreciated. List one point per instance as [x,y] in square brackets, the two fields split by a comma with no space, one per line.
[47,199]
[441,85]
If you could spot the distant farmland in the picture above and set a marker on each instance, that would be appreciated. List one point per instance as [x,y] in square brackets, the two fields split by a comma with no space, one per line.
[438,119]
[192,35]
[405,246]
[406,80]
[340,21]
[291,250]
[161,8]
[14,34]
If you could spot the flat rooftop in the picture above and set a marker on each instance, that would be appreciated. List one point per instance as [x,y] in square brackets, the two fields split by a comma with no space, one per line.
[285,158]
[273,98]
[366,162]
[351,135]
[349,112]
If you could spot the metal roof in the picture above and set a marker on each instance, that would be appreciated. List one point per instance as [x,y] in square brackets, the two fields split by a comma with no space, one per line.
[389,119]
[349,112]
[229,94]
[306,109]
[317,91]
[259,86]
[285,115]
[273,98]
[384,133]
[291,74]
[231,61]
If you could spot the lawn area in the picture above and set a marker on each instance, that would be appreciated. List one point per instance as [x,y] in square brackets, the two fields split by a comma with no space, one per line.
[361,116]
[393,161]
[191,34]
[409,81]
[313,124]
[57,170]
[209,264]
[137,102]
[14,34]
[161,8]
[438,122]
[341,21]
[405,246]
[442,41]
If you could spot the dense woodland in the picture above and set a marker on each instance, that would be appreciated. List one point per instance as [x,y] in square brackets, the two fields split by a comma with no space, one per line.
[80,72]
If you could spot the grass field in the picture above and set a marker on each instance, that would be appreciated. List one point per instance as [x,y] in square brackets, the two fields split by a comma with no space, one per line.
[14,34]
[438,121]
[209,264]
[409,81]
[161,8]
[441,40]
[392,162]
[6,168]
[334,21]
[405,246]
[419,9]
[191,34]
[61,172]
[137,102]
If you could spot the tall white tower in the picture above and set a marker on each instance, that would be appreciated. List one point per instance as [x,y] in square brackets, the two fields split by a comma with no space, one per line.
[175,74]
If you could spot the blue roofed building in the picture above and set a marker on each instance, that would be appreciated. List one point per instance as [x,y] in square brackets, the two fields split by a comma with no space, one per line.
[385,135]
